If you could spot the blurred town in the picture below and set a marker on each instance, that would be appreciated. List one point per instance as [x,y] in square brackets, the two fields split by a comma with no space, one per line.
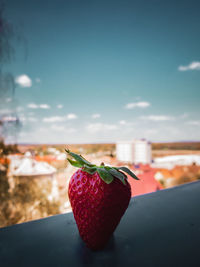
[34,178]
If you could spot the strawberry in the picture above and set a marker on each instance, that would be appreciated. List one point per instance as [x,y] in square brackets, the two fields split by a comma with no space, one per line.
[99,196]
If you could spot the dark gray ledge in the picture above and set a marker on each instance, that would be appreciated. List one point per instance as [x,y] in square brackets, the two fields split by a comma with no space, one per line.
[158,229]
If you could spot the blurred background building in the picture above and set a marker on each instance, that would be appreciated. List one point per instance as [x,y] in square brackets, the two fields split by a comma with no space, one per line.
[135,151]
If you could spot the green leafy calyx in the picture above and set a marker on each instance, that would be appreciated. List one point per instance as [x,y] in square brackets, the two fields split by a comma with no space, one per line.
[106,173]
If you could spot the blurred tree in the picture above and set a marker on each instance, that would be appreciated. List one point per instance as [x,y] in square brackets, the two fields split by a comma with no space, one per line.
[28,199]
[4,195]
[7,149]
[6,34]
[9,122]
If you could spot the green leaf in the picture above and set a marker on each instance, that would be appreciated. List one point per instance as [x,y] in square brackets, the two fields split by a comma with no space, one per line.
[117,174]
[91,170]
[79,158]
[105,175]
[86,161]
[74,163]
[128,172]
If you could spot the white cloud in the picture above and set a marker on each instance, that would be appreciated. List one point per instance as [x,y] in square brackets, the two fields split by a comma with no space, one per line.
[157,118]
[141,104]
[22,134]
[58,127]
[32,119]
[96,116]
[19,108]
[44,106]
[184,115]
[22,118]
[149,132]
[61,128]
[100,127]
[59,106]
[195,65]
[42,129]
[23,80]
[70,130]
[196,123]
[8,99]
[32,105]
[5,111]
[36,106]
[122,122]
[54,119]
[71,116]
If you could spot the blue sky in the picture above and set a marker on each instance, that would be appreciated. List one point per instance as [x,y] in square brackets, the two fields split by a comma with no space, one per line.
[103,71]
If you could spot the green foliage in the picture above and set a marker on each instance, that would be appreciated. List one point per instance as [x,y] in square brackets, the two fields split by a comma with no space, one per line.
[105,175]
[124,169]
[176,146]
[7,149]
[4,196]
[27,201]
[117,174]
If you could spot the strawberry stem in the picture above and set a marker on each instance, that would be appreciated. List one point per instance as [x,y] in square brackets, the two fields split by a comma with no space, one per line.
[106,173]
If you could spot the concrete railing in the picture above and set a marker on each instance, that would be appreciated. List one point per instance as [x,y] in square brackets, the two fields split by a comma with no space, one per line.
[158,229]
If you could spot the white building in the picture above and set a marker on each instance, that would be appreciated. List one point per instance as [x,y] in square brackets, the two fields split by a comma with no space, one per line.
[169,162]
[27,166]
[136,151]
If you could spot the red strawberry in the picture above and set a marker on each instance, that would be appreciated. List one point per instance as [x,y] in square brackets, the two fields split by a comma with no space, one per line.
[99,196]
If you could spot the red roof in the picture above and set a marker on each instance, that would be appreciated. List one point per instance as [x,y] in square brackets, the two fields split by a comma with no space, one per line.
[147,182]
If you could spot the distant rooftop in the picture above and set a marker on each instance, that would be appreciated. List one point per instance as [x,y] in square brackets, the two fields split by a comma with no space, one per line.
[170,162]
